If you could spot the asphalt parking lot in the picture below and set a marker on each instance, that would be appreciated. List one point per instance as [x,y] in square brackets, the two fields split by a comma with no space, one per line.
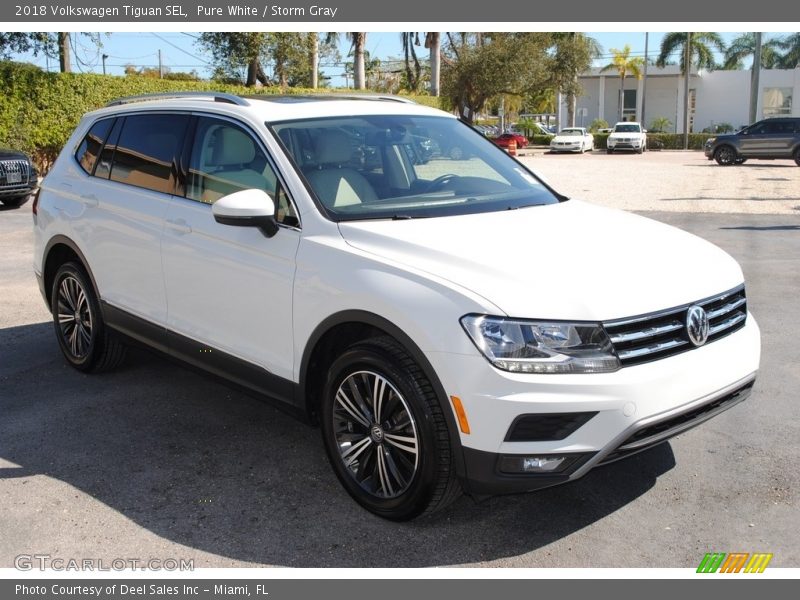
[155,461]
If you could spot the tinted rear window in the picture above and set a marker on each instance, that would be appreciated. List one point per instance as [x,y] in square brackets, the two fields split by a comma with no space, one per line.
[90,147]
[147,151]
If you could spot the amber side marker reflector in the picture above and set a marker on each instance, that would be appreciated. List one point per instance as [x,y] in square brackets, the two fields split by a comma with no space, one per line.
[460,413]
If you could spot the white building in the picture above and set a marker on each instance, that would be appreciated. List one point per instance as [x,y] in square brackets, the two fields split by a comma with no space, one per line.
[715,97]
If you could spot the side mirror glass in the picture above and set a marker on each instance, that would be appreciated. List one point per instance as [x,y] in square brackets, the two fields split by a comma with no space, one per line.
[247,208]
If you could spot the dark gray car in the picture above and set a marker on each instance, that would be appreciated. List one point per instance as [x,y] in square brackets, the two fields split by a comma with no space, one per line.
[18,177]
[768,139]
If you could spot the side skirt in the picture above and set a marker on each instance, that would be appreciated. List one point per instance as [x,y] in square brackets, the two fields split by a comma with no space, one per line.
[249,378]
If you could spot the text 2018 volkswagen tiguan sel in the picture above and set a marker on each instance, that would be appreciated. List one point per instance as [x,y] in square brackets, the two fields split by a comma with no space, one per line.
[450,323]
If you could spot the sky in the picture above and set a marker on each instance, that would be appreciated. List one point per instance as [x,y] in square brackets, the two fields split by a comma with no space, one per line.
[180,51]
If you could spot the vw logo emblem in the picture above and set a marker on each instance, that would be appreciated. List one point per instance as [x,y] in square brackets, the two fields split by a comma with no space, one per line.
[376,431]
[697,325]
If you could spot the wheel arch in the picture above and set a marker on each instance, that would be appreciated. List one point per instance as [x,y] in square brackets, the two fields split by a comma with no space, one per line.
[340,330]
[59,250]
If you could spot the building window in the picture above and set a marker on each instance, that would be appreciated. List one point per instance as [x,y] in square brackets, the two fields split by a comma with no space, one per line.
[629,105]
[777,101]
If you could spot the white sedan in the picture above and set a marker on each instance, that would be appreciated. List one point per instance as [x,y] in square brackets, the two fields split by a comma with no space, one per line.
[572,139]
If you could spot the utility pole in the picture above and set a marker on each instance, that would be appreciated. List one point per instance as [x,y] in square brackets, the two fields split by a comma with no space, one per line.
[755,76]
[644,78]
[105,56]
[688,69]
[160,66]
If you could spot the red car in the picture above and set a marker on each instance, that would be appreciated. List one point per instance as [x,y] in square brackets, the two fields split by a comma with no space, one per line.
[503,140]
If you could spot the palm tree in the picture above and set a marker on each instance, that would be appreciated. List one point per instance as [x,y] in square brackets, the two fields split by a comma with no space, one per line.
[329,38]
[413,78]
[744,47]
[624,64]
[433,43]
[701,43]
[358,41]
[790,59]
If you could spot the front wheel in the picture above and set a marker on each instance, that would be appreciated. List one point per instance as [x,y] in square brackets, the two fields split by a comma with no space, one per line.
[609,151]
[85,341]
[725,156]
[385,433]
[797,157]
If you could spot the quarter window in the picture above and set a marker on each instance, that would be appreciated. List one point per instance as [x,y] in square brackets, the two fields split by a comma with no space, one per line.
[147,151]
[90,147]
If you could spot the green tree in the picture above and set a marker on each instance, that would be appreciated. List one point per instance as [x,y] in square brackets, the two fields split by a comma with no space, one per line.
[702,44]
[624,64]
[744,47]
[235,52]
[52,45]
[660,124]
[790,45]
[573,53]
[479,67]
[413,76]
[597,125]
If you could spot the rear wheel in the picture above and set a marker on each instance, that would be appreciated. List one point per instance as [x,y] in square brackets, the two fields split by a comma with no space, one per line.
[725,156]
[797,157]
[385,433]
[85,341]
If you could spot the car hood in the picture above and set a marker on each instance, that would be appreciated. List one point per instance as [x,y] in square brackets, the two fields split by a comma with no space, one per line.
[6,154]
[571,260]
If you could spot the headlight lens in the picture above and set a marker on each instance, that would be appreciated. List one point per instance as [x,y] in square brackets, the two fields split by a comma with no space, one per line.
[542,347]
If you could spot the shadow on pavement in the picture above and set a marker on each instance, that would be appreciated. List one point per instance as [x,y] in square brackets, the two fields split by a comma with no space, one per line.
[205,466]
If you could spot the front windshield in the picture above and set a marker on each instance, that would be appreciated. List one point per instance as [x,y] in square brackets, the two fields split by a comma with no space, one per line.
[395,167]
[571,132]
[626,128]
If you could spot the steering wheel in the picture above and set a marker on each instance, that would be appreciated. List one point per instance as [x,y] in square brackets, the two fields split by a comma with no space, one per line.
[440,181]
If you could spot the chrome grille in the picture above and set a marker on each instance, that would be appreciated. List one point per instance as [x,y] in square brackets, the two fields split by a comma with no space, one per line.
[658,335]
[10,168]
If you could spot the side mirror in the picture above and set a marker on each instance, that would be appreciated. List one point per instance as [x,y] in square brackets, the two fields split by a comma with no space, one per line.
[248,208]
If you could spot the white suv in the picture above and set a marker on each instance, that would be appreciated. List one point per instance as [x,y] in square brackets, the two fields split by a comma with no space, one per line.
[627,136]
[450,323]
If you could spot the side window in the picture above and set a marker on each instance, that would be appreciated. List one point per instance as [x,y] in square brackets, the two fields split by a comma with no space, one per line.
[147,149]
[226,159]
[103,168]
[90,147]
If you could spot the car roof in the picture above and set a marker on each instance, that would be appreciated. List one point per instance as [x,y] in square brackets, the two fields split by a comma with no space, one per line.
[274,108]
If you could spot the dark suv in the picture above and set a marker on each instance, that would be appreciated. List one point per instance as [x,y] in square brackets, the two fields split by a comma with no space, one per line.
[767,139]
[18,177]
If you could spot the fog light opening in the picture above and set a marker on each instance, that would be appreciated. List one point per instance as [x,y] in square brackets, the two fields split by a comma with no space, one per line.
[533,464]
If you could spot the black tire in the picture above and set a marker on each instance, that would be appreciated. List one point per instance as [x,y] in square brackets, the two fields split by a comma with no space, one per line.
[725,156]
[741,161]
[609,151]
[85,341]
[639,150]
[14,202]
[412,483]
[797,157]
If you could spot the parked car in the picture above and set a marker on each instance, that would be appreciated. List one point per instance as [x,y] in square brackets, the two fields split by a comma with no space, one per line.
[778,137]
[408,309]
[627,135]
[18,177]
[535,128]
[505,140]
[572,139]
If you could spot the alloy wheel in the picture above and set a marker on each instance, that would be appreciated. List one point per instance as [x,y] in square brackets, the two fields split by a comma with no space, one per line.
[376,435]
[74,317]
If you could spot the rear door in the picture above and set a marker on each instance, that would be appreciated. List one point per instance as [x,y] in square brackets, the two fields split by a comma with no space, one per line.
[129,194]
[229,289]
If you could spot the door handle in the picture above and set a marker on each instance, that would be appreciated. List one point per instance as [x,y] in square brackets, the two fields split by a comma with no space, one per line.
[179,226]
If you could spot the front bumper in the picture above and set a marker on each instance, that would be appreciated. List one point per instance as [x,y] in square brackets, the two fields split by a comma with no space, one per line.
[632,409]
[630,145]
[572,147]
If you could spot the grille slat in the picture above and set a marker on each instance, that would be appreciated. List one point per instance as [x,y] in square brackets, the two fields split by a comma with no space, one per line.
[658,335]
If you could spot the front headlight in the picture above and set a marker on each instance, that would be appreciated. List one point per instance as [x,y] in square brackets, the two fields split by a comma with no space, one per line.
[710,141]
[542,347]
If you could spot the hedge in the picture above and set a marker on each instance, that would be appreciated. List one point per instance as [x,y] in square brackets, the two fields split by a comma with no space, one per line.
[670,141]
[39,110]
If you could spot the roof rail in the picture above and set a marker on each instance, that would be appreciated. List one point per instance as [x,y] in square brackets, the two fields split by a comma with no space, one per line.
[215,96]
[329,96]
